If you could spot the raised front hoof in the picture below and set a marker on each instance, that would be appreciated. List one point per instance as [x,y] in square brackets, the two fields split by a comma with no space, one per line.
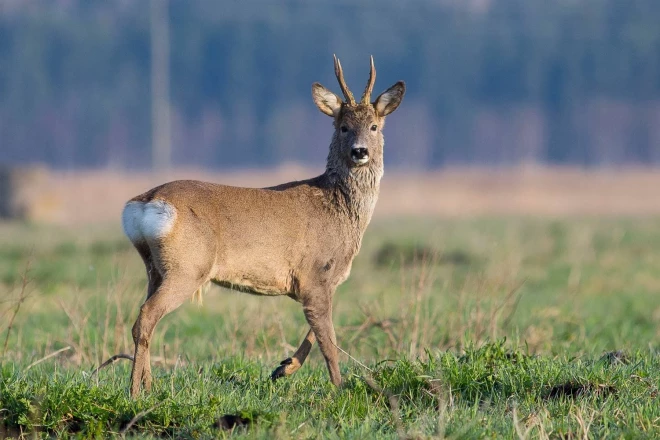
[281,370]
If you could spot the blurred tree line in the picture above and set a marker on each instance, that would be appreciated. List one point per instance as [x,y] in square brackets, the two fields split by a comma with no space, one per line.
[489,82]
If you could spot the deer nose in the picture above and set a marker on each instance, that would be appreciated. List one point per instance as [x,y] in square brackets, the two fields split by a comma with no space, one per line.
[359,152]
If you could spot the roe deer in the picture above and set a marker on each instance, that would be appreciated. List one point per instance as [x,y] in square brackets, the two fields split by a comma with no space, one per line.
[296,239]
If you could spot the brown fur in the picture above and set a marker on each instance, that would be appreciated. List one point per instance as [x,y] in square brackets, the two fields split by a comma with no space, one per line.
[296,239]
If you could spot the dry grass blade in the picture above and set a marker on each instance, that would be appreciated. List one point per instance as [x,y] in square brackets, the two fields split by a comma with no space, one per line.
[372,322]
[394,405]
[353,359]
[21,298]
[112,360]
[517,293]
[585,425]
[138,416]
[55,353]
[522,431]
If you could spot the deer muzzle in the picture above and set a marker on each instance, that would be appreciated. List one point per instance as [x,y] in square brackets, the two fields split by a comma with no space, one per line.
[359,154]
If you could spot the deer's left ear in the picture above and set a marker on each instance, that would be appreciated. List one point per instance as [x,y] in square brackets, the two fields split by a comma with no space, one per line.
[389,100]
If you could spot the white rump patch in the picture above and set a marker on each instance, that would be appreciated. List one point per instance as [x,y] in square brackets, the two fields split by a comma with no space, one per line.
[158,219]
[131,218]
[150,220]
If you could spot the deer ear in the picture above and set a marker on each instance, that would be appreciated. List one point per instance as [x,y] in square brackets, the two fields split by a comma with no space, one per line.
[325,100]
[389,100]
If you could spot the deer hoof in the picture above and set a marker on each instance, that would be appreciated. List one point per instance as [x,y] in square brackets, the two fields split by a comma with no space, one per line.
[281,370]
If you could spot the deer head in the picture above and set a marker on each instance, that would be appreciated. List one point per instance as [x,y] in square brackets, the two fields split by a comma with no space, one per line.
[358,140]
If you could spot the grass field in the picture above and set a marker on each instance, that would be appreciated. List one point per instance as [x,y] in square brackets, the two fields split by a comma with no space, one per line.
[483,328]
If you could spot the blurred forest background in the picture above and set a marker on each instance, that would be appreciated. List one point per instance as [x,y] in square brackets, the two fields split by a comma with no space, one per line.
[497,82]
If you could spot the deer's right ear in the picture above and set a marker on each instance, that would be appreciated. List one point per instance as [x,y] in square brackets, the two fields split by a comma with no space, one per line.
[325,100]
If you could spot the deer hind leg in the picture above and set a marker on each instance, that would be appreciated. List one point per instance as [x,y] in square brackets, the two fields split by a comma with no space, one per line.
[155,279]
[318,312]
[173,291]
[290,365]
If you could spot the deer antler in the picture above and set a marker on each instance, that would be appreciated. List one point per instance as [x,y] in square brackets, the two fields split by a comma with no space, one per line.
[366,96]
[339,73]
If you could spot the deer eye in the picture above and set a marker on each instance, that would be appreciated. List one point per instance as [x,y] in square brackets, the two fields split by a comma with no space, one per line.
[374,127]
[344,129]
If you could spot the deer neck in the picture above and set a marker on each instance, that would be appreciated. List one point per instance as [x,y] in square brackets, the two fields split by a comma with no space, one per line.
[354,189]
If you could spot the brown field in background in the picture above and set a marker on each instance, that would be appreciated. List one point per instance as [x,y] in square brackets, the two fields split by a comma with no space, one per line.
[73,198]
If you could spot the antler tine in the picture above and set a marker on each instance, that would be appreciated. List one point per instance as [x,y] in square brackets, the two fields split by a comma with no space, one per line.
[366,96]
[339,73]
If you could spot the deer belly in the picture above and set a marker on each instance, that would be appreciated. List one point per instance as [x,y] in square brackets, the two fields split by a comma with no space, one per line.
[256,285]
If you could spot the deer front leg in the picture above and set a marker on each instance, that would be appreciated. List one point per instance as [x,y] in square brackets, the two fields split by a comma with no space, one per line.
[318,312]
[290,365]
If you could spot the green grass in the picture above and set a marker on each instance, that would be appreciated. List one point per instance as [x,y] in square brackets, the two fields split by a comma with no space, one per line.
[481,328]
